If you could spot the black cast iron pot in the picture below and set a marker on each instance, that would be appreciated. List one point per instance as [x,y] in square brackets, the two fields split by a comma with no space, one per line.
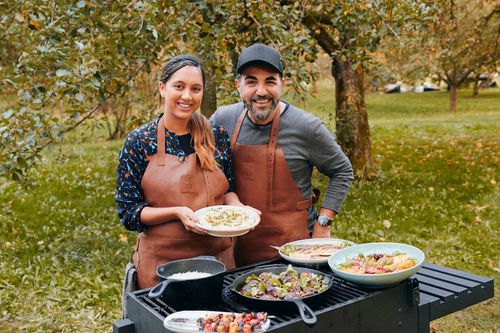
[184,294]
[307,315]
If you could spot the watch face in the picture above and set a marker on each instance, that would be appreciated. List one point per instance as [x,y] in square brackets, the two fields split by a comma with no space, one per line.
[324,220]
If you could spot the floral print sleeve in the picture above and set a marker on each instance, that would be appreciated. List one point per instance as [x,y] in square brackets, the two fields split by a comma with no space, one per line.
[140,145]
[132,163]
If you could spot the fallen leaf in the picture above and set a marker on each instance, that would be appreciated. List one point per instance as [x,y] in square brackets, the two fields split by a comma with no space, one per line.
[34,24]
[493,182]
[123,238]
[431,189]
[387,224]
[478,218]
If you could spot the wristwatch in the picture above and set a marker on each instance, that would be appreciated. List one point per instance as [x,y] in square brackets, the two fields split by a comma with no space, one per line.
[324,220]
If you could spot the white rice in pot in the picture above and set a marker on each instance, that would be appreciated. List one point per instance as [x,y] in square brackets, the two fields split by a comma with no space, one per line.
[190,275]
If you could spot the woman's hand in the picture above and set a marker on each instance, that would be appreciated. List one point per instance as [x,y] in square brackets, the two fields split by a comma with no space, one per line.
[187,217]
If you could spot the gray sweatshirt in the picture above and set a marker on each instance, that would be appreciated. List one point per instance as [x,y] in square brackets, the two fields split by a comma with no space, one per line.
[306,143]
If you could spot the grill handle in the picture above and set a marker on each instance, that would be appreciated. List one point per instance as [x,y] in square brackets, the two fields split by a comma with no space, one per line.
[158,290]
[306,313]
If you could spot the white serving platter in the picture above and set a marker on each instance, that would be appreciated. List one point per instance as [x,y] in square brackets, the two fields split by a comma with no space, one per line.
[312,241]
[185,321]
[253,219]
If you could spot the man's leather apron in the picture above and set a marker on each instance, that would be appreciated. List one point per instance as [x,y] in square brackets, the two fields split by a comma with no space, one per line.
[178,181]
[263,181]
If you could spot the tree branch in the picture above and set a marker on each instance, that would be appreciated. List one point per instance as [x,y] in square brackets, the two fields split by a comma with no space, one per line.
[91,111]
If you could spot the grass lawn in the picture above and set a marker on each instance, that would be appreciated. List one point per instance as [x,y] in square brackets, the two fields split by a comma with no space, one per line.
[63,251]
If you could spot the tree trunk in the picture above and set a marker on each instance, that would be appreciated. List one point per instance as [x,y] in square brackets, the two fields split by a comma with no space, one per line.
[353,131]
[209,102]
[475,89]
[453,96]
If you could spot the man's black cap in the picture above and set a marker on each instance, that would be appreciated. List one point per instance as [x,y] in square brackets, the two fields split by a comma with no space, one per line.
[259,54]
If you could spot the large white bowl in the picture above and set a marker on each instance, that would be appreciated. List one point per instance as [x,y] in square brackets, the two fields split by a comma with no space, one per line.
[308,241]
[376,280]
[227,231]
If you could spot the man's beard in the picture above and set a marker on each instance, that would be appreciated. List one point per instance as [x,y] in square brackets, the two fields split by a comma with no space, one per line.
[261,115]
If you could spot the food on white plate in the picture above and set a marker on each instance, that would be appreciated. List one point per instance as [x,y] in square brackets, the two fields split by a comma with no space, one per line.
[226,217]
[287,285]
[189,275]
[232,322]
[378,263]
[312,251]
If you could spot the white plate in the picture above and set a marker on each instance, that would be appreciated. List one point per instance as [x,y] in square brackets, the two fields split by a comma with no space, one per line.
[190,326]
[312,241]
[376,280]
[227,231]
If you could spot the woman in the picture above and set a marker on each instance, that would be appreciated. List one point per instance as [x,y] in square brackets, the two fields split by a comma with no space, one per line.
[169,168]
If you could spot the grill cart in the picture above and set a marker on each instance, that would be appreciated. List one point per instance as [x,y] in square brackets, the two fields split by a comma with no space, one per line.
[435,291]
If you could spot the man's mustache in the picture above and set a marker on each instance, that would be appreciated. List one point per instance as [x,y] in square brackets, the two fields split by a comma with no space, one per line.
[261,98]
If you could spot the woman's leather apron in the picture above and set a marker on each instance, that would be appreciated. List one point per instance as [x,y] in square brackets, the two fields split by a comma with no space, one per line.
[263,181]
[178,181]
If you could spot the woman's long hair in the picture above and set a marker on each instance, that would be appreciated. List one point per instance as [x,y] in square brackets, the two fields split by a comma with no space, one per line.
[202,137]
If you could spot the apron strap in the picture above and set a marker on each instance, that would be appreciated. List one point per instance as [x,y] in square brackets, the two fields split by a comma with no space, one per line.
[209,186]
[237,127]
[301,205]
[271,152]
[161,142]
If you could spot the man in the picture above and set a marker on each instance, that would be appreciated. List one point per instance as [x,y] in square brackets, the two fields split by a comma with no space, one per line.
[275,147]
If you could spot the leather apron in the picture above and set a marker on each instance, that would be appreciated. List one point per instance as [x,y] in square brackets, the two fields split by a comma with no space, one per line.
[178,181]
[263,181]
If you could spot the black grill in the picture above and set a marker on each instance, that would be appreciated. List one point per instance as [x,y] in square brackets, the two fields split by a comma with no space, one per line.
[433,292]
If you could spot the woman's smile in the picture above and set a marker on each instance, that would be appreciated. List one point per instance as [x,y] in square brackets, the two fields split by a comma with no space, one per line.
[185,106]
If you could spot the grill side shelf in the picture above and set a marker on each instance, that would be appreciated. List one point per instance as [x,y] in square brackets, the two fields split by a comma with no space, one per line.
[444,290]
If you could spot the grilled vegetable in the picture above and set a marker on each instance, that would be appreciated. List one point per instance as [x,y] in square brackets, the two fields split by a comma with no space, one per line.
[288,285]
[378,263]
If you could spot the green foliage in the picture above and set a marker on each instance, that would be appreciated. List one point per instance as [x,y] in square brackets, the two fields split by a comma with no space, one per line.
[352,29]
[460,38]
[63,251]
[80,58]
[79,55]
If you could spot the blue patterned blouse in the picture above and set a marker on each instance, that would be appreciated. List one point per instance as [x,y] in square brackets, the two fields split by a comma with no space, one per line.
[140,145]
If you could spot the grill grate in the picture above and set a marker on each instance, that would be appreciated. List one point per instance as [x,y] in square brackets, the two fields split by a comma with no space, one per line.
[339,293]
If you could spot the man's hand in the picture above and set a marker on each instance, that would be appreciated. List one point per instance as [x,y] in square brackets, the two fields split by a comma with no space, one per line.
[320,232]
[323,231]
